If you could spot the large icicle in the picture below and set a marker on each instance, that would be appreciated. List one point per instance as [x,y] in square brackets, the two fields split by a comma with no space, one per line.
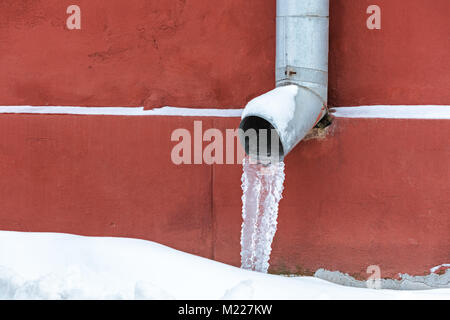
[262,188]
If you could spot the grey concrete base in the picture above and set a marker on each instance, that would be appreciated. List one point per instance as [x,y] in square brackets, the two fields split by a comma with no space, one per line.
[407,282]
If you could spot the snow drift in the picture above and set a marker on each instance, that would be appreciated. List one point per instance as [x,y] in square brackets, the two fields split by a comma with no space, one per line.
[61,266]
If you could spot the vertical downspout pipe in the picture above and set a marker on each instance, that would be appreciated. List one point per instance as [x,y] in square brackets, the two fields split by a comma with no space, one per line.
[299,100]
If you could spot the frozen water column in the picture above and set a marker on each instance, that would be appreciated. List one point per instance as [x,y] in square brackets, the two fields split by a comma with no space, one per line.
[299,100]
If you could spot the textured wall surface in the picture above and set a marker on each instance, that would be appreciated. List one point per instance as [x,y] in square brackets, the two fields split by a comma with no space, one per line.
[129,53]
[406,62]
[206,53]
[373,192]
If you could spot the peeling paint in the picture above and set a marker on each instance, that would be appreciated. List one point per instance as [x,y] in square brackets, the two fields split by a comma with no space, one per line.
[441,266]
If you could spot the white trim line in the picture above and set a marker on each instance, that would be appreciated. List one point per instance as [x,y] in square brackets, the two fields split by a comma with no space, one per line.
[394,112]
[380,111]
[122,111]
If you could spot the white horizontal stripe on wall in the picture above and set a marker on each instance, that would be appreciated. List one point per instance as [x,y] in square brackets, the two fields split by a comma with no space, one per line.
[122,111]
[380,111]
[393,112]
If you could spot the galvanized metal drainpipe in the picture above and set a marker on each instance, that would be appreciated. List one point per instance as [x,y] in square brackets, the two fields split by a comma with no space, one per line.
[301,61]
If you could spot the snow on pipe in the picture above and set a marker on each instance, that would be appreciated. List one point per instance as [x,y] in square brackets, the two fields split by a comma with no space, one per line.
[299,101]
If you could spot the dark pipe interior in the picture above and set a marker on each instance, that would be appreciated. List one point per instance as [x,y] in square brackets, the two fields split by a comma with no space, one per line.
[265,132]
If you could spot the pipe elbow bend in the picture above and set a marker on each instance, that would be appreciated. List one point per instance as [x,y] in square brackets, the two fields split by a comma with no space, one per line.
[275,122]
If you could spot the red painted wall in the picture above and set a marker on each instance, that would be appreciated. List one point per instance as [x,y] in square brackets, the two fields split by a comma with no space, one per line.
[373,192]
[406,62]
[212,53]
[178,52]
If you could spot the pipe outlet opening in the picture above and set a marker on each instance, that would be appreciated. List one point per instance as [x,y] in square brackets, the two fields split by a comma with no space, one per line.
[261,140]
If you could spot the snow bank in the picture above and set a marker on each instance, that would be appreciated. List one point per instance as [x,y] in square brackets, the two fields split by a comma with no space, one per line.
[60,266]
